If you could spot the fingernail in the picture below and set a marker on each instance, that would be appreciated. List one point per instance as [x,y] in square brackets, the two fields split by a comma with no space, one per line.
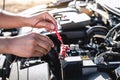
[52,27]
[53,45]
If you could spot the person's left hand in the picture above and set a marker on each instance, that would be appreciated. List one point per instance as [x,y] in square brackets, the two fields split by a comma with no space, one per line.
[29,45]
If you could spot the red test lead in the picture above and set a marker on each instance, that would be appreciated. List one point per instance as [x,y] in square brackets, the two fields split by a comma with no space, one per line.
[64,48]
[58,36]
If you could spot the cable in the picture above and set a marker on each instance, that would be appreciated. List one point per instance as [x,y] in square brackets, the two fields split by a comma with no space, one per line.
[110,31]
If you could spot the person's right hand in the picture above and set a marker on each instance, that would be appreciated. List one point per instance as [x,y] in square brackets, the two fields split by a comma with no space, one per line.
[42,20]
[30,45]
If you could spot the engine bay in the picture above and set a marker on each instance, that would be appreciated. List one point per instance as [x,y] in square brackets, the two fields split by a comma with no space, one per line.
[91,31]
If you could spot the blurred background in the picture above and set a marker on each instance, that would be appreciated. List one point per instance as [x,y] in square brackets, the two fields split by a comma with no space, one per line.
[20,5]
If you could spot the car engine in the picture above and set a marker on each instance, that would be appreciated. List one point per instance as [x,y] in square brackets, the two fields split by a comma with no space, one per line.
[91,31]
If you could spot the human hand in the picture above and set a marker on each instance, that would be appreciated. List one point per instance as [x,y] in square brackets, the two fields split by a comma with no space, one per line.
[43,20]
[30,45]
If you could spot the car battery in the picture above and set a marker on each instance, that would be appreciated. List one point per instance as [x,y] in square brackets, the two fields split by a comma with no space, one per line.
[72,67]
[88,67]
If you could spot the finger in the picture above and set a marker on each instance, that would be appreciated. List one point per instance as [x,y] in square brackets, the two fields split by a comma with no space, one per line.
[50,18]
[49,30]
[46,24]
[46,45]
[45,39]
[38,54]
[42,50]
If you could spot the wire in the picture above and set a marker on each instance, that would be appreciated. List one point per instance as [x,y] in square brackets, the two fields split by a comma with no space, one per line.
[110,31]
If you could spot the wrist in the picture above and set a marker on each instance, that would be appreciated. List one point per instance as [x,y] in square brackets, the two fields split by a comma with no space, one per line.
[25,21]
[29,21]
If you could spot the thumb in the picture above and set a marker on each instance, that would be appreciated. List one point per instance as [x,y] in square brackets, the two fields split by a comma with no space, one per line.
[45,24]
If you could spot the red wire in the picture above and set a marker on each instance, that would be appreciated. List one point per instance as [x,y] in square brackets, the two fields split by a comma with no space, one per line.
[63,47]
[58,36]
